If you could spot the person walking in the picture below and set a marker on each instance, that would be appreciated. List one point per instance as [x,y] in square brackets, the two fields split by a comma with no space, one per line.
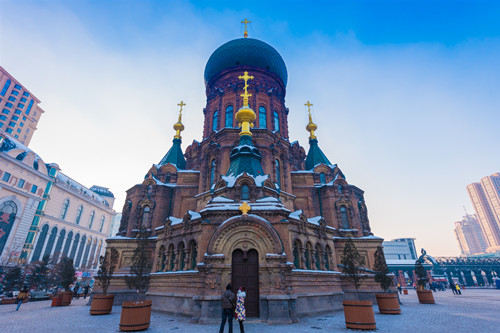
[458,289]
[75,290]
[80,292]
[227,309]
[240,314]
[23,294]
[453,288]
[85,291]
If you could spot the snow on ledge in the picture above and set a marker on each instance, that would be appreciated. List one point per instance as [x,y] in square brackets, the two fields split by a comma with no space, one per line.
[221,200]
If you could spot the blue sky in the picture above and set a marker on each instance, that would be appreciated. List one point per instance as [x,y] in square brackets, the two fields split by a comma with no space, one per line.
[405,93]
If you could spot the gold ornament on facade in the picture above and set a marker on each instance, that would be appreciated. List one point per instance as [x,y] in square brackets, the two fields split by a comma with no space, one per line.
[311,127]
[245,115]
[245,208]
[178,126]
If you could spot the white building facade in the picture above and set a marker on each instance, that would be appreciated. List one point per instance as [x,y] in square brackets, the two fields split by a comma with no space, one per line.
[45,212]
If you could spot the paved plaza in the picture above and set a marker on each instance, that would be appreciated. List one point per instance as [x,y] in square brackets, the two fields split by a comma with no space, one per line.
[477,310]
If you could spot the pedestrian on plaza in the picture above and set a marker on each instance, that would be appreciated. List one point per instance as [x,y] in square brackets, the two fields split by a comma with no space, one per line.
[23,294]
[85,291]
[228,306]
[75,290]
[80,291]
[458,289]
[399,288]
[453,288]
[240,313]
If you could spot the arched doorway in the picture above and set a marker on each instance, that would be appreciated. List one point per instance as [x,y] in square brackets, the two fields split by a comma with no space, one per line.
[245,272]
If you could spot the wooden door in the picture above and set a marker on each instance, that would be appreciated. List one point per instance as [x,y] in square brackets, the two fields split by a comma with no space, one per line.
[245,272]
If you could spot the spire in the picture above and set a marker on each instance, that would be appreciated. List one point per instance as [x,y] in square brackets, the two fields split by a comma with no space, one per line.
[178,127]
[175,155]
[315,156]
[245,115]
[245,22]
[245,157]
[311,127]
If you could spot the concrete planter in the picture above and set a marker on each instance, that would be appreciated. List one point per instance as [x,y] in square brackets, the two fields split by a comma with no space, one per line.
[425,296]
[388,303]
[101,304]
[136,316]
[359,315]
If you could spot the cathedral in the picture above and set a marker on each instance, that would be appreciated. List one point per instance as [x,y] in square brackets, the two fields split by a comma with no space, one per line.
[246,205]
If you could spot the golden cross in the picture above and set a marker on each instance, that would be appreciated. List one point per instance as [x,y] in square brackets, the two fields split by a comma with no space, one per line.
[245,22]
[308,107]
[245,95]
[245,208]
[181,104]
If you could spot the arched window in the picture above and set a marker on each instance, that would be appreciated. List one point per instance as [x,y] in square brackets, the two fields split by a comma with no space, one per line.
[8,212]
[245,192]
[86,255]
[262,117]
[276,121]
[308,255]
[344,218]
[80,251]
[278,173]
[212,172]
[171,257]
[296,255]
[5,87]
[79,214]
[340,189]
[50,242]
[229,116]
[328,254]
[182,256]
[67,245]
[103,218]
[57,250]
[41,241]
[162,256]
[75,247]
[98,255]
[194,255]
[64,209]
[322,178]
[145,216]
[92,215]
[317,257]
[215,121]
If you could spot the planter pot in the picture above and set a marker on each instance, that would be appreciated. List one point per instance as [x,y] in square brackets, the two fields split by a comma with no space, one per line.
[388,303]
[66,297]
[8,301]
[405,291]
[425,296]
[359,315]
[56,300]
[136,316]
[101,304]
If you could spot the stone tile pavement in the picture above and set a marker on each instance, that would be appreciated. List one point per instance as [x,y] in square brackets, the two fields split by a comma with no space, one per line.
[477,310]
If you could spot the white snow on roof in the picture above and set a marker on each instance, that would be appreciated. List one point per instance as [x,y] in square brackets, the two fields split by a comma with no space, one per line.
[163,184]
[370,237]
[267,199]
[314,220]
[296,214]
[221,199]
[188,171]
[231,179]
[194,215]
[175,220]
[302,171]
[62,178]
[119,237]
[400,262]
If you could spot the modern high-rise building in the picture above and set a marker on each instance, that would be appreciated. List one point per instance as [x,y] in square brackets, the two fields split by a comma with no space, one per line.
[470,236]
[485,197]
[20,110]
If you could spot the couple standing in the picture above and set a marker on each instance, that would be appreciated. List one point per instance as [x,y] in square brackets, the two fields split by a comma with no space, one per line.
[230,308]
